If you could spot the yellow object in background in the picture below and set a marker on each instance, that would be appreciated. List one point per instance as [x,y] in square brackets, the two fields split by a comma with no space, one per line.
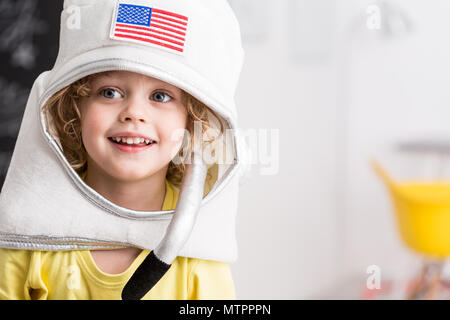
[422,210]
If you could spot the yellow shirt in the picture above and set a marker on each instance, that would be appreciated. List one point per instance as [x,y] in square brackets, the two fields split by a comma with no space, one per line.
[62,275]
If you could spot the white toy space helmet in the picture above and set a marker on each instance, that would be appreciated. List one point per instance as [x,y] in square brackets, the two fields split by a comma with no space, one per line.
[192,44]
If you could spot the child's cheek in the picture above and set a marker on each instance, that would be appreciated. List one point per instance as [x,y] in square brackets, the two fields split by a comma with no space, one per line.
[92,126]
[172,141]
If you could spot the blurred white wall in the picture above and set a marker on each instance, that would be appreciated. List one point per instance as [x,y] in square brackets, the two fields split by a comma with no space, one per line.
[350,93]
[288,229]
[397,90]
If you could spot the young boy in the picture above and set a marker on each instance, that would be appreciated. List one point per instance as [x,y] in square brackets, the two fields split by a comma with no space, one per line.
[100,194]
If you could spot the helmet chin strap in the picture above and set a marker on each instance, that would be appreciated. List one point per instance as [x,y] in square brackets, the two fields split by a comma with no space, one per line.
[158,262]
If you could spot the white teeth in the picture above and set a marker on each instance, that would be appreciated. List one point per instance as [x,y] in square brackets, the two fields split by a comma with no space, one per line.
[131,140]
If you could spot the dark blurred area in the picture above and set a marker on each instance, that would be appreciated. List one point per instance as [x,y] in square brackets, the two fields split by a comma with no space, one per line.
[29,39]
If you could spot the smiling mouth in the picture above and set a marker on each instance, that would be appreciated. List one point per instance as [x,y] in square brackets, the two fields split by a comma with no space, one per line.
[131,143]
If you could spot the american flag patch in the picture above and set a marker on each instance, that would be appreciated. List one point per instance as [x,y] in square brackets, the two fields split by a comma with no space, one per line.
[151,26]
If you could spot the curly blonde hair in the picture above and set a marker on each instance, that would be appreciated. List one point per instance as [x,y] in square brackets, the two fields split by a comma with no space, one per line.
[62,110]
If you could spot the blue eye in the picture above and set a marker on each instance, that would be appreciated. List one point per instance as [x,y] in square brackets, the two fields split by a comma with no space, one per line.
[159,96]
[110,93]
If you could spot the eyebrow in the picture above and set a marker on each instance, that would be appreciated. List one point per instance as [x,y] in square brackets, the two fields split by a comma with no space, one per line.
[111,74]
[105,74]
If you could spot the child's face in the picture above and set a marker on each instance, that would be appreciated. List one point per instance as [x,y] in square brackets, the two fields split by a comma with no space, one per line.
[122,101]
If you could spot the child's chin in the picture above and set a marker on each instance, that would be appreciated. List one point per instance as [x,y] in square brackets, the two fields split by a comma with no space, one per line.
[133,175]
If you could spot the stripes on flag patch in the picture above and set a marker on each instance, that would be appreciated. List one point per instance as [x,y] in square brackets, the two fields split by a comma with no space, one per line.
[150,26]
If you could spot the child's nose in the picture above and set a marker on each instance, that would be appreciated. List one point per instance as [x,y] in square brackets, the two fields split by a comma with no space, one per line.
[135,109]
